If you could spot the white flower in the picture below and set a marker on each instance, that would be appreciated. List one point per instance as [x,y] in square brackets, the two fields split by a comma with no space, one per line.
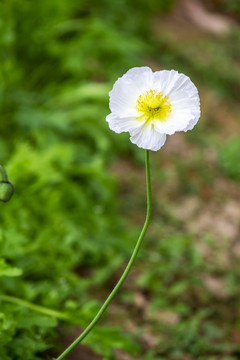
[150,105]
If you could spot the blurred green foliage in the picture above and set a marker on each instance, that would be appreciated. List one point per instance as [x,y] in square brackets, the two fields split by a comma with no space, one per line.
[230,6]
[62,236]
[176,284]
[58,60]
[228,158]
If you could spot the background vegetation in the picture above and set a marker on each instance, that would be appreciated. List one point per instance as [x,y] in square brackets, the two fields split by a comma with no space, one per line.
[76,212]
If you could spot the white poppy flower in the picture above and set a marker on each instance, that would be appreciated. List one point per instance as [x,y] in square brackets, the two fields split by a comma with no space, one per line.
[150,105]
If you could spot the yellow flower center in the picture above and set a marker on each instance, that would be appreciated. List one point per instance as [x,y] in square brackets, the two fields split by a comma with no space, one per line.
[152,105]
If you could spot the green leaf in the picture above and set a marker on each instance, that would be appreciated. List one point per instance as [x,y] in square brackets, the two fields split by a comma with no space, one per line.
[8,270]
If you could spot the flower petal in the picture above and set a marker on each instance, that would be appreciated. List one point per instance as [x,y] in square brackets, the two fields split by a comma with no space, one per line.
[170,81]
[147,137]
[126,90]
[122,124]
[179,120]
[183,96]
[163,79]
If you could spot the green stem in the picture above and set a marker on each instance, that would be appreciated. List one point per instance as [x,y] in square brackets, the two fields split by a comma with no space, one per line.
[40,309]
[3,173]
[126,271]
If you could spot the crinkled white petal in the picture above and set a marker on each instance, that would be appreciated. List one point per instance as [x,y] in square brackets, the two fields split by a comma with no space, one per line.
[171,81]
[196,112]
[147,137]
[184,99]
[180,119]
[122,124]
[127,89]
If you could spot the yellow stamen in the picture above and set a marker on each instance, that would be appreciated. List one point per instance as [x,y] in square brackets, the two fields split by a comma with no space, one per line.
[152,105]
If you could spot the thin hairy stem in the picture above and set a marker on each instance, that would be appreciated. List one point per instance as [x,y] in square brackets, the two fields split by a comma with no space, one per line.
[126,271]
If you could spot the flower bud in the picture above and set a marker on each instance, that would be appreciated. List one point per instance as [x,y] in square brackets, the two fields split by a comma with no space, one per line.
[6,191]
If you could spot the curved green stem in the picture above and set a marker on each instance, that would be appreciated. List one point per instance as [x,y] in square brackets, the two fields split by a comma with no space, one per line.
[126,271]
[3,173]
